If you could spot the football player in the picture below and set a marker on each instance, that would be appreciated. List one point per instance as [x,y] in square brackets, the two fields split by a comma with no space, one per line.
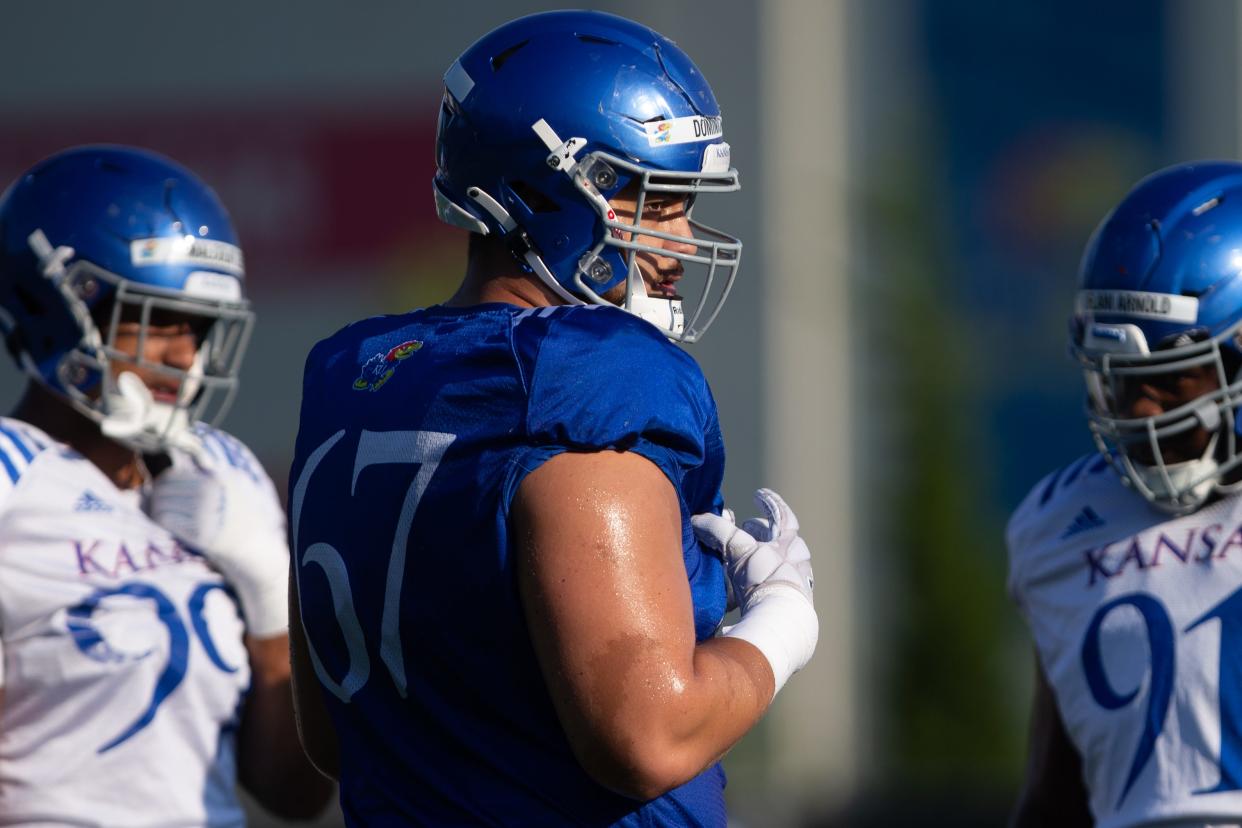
[510,551]
[143,557]
[1127,564]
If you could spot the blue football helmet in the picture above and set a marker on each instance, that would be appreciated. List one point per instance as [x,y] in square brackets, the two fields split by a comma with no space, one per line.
[1161,295]
[96,233]
[548,117]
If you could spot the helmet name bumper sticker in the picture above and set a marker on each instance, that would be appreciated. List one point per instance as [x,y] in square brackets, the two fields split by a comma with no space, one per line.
[1166,307]
[187,250]
[683,130]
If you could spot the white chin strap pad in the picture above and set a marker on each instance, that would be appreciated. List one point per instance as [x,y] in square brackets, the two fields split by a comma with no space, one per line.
[665,314]
[1181,476]
[133,417]
[127,409]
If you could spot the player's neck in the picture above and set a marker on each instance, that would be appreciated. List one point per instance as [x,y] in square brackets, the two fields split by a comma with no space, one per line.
[492,275]
[522,291]
[45,410]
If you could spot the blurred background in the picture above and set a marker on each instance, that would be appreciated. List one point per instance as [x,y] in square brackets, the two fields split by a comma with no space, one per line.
[919,177]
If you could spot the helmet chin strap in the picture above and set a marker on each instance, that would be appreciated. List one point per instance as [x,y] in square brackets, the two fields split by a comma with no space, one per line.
[133,417]
[1170,483]
[533,261]
[665,314]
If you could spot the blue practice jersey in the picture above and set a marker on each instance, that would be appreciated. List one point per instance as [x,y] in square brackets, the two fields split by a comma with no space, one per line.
[416,432]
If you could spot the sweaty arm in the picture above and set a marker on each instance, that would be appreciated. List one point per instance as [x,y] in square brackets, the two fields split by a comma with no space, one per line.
[608,606]
[1053,792]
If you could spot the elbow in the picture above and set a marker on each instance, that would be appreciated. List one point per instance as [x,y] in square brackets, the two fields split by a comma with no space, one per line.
[643,750]
[641,768]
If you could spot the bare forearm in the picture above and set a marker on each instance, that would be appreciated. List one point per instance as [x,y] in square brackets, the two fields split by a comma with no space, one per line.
[1053,792]
[271,764]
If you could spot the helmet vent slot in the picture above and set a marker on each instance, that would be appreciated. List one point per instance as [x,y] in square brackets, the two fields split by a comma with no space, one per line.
[500,59]
[589,38]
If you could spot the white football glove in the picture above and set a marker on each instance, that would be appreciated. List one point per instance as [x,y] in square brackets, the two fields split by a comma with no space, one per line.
[769,569]
[237,524]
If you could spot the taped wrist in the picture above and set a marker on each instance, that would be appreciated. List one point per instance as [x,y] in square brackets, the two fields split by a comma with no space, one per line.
[255,562]
[782,624]
[265,606]
[259,576]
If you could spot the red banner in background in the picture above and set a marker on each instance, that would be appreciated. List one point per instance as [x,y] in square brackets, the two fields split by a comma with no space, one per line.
[314,193]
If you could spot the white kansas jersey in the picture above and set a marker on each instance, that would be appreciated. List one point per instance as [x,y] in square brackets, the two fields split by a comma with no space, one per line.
[1137,619]
[123,660]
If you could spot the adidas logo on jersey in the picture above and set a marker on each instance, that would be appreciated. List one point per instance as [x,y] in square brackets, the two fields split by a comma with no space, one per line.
[1087,519]
[90,502]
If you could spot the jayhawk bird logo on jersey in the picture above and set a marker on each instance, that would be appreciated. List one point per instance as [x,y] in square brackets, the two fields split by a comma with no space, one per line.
[379,369]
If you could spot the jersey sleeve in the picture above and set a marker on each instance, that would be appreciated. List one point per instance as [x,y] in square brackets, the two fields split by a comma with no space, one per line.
[1023,524]
[1054,509]
[599,378]
[20,445]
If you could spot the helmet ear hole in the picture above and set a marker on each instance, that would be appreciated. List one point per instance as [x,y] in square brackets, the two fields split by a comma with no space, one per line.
[532,199]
